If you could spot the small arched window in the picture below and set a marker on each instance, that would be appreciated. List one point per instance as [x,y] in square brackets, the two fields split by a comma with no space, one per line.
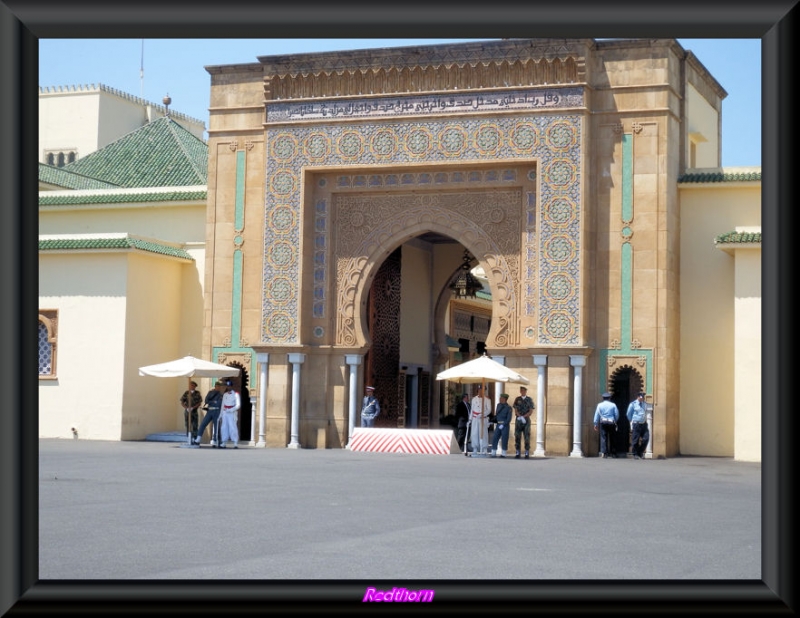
[48,327]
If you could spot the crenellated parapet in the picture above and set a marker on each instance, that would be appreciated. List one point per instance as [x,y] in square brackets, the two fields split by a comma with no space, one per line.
[94,88]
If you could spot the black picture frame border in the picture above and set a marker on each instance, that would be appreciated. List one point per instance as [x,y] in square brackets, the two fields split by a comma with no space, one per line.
[24,22]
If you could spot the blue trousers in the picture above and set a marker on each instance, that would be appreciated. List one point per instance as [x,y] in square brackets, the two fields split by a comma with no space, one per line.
[640,431]
[499,434]
[211,417]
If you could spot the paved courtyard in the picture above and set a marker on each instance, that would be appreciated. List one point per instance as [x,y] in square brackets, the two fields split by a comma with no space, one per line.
[162,511]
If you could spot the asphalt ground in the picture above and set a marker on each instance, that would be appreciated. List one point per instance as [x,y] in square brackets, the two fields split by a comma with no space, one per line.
[153,511]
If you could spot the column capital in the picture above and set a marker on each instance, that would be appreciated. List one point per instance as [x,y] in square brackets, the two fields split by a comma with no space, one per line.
[296,357]
[577,360]
[262,357]
[353,359]
[540,359]
[499,359]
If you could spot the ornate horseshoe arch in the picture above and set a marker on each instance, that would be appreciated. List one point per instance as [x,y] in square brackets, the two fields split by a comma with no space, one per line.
[370,227]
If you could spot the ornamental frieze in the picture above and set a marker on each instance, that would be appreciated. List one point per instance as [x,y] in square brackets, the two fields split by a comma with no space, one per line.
[551,98]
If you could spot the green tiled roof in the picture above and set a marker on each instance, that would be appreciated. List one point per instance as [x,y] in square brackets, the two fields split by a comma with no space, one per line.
[721,177]
[160,154]
[83,244]
[45,199]
[70,180]
[738,237]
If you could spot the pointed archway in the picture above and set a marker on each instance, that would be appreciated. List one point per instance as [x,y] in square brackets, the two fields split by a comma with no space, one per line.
[359,255]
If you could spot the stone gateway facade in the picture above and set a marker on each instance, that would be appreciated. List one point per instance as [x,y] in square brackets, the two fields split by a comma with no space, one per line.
[344,188]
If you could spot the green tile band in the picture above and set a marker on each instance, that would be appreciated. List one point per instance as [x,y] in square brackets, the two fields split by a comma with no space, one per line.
[238,221]
[627,177]
[626,275]
[236,291]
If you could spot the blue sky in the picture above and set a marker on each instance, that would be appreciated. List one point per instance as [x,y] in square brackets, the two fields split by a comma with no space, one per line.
[176,67]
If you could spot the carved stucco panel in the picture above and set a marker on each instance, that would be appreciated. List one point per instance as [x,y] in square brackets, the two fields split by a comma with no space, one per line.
[487,223]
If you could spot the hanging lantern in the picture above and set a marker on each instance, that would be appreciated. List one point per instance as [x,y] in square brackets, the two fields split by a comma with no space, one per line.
[466,285]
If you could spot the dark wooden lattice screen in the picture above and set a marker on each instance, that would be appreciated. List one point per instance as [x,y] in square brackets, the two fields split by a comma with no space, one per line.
[424,399]
[383,358]
[401,400]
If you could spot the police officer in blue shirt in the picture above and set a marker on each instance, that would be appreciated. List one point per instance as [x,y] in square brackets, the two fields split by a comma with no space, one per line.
[370,408]
[640,432]
[606,416]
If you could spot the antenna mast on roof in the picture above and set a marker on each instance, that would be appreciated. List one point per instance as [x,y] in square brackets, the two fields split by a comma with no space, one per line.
[141,71]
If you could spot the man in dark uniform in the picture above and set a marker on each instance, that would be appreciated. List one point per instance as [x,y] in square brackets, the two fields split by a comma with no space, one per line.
[462,418]
[191,400]
[213,405]
[523,408]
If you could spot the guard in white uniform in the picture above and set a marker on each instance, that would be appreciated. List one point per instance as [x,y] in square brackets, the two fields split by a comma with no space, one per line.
[231,402]
[480,410]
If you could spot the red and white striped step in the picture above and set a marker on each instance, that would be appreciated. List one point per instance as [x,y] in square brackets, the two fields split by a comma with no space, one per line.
[388,440]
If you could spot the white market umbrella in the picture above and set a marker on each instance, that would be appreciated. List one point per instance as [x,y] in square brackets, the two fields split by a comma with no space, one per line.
[189,367]
[479,370]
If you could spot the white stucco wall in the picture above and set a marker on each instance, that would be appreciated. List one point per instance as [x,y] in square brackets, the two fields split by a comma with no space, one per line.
[747,439]
[702,125]
[119,116]
[176,222]
[157,311]
[68,121]
[89,293]
[117,311]
[710,359]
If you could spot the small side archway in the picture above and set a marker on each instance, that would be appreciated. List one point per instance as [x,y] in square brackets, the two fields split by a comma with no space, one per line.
[241,384]
[623,384]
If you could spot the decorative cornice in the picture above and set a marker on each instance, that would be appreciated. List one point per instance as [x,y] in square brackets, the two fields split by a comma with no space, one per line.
[460,54]
[500,64]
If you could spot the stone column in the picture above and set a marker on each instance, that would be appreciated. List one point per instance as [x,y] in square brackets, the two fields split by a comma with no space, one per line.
[648,451]
[578,362]
[296,360]
[252,441]
[498,386]
[353,361]
[263,360]
[540,361]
